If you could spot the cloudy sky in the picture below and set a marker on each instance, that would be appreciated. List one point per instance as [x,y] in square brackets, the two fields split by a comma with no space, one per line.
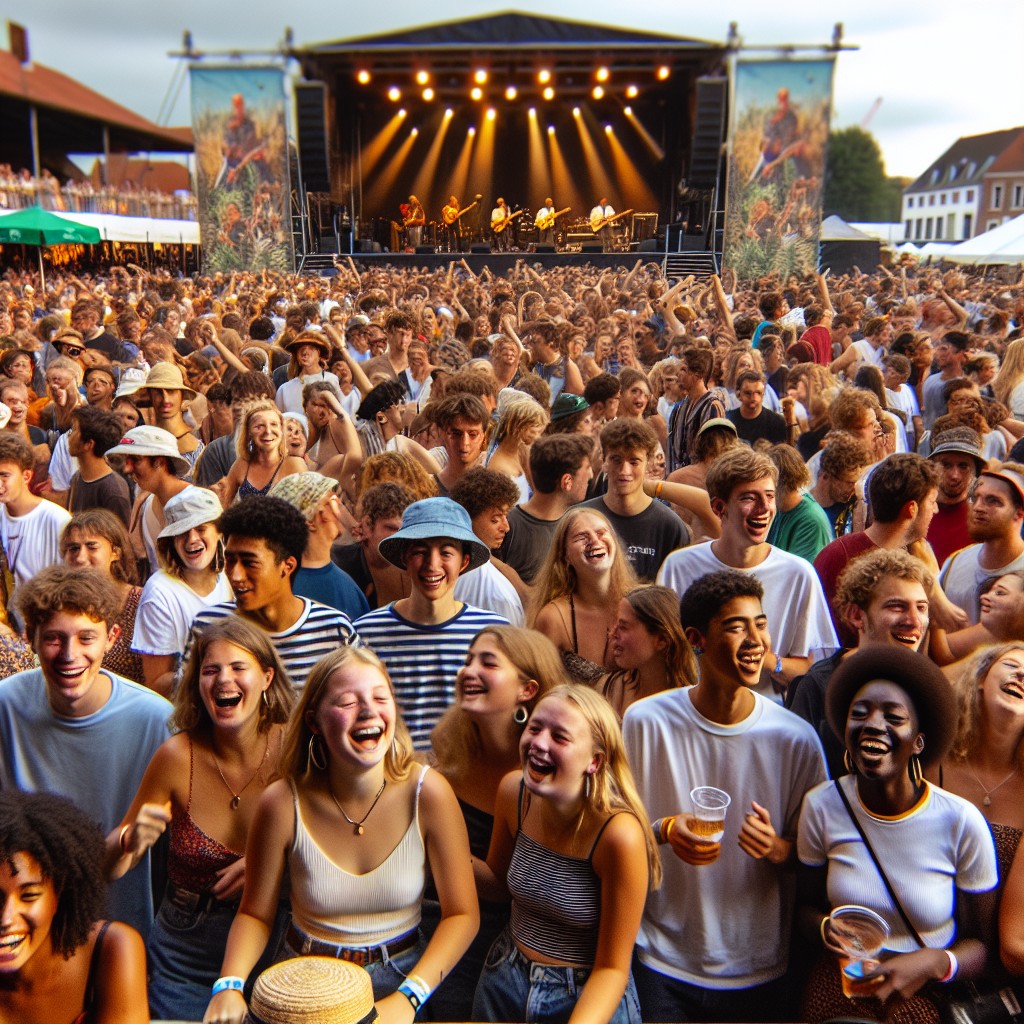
[942,68]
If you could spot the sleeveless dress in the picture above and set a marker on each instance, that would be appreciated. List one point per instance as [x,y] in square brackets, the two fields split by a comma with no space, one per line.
[248,490]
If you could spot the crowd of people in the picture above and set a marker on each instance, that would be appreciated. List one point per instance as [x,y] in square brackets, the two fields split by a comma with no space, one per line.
[405,617]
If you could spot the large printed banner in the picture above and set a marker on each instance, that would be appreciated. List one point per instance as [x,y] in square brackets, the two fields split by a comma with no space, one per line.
[779,138]
[241,145]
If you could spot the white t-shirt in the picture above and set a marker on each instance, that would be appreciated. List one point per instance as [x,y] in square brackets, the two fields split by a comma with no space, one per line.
[63,465]
[723,925]
[32,541]
[798,615]
[167,609]
[485,587]
[289,395]
[940,845]
[961,576]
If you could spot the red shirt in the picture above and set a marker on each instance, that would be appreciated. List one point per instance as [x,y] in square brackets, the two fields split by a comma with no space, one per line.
[948,530]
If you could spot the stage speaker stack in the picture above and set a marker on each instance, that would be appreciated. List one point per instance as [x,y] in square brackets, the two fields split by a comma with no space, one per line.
[311,130]
[708,132]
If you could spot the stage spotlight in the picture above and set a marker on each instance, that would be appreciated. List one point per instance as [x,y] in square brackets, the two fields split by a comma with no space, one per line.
[608,129]
[628,111]
[598,92]
[422,77]
[511,92]
[549,93]
[543,76]
[491,114]
[533,112]
[394,94]
[551,129]
[476,92]
[401,112]
[602,74]
[415,131]
[363,77]
[428,94]
[663,72]
[449,113]
[632,91]
[480,76]
[471,130]
[575,111]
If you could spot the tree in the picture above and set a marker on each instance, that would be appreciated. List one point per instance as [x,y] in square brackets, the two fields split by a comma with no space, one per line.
[856,186]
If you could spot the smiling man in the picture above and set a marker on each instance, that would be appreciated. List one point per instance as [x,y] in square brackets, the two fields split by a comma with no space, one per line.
[713,944]
[73,728]
[423,638]
[264,539]
[741,485]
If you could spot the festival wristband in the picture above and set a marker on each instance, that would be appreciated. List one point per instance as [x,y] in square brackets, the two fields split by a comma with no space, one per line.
[416,990]
[778,664]
[120,838]
[954,966]
[228,984]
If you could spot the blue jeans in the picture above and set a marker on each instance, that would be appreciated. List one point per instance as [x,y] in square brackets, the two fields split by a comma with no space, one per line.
[513,988]
[386,974]
[663,998]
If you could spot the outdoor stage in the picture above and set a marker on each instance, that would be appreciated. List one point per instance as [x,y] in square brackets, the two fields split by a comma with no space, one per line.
[500,263]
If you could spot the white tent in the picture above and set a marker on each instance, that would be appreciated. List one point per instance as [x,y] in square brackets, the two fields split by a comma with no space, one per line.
[141,229]
[1003,244]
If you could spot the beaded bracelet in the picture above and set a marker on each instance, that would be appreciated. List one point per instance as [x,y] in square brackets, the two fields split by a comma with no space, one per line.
[416,990]
[229,983]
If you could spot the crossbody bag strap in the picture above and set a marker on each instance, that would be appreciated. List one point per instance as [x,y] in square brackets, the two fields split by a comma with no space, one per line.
[885,878]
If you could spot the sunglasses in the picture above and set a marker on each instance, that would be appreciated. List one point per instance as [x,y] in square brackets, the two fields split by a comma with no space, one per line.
[68,350]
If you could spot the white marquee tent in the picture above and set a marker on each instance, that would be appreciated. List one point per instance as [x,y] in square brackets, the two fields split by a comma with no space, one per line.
[1003,244]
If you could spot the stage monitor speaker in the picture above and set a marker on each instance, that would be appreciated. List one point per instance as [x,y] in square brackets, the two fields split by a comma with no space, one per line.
[367,245]
[424,250]
[328,243]
[694,243]
[480,247]
[545,248]
[311,129]
[592,247]
[648,245]
[708,132]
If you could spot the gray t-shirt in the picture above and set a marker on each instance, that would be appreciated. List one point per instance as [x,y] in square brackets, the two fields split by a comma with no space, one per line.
[526,544]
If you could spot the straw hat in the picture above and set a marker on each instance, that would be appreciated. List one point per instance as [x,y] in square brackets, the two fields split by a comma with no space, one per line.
[312,990]
[314,338]
[167,377]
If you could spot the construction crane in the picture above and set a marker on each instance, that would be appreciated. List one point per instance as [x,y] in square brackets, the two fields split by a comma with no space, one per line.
[870,115]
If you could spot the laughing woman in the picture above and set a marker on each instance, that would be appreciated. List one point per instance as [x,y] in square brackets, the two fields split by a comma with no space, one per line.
[204,783]
[572,848]
[263,457]
[356,824]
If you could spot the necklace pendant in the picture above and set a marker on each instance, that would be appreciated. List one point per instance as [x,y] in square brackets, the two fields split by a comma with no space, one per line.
[235,801]
[360,830]
[987,801]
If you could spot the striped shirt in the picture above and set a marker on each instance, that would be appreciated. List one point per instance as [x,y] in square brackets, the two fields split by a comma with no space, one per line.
[422,660]
[317,631]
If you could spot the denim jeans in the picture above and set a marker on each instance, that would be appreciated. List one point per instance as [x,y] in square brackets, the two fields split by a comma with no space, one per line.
[386,974]
[513,988]
[668,999]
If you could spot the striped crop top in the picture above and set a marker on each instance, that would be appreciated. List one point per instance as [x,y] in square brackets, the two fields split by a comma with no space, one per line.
[556,901]
[337,906]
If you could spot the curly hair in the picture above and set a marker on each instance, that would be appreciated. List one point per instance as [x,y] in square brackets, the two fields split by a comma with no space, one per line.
[629,435]
[557,578]
[858,582]
[705,597]
[382,501]
[69,849]
[296,763]
[456,737]
[479,490]
[967,687]
[190,712]
[842,454]
[65,588]
[850,408]
[16,450]
[280,525]
[397,467]
[101,522]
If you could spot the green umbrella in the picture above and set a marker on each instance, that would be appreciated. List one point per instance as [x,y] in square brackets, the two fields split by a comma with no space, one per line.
[36,226]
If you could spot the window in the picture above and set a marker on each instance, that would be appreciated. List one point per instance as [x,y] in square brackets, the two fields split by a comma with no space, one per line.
[928,227]
[956,197]
[917,229]
[942,199]
[907,232]
[931,199]
[1018,196]
[997,197]
[992,224]
[968,224]
[938,227]
[936,174]
[970,195]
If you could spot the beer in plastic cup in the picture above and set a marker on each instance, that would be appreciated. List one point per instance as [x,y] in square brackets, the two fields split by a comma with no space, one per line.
[706,822]
[858,936]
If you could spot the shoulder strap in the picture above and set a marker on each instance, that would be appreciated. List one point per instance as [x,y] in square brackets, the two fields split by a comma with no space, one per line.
[94,965]
[885,878]
[600,831]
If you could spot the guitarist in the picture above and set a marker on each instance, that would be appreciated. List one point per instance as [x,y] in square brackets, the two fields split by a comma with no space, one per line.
[545,222]
[450,216]
[500,217]
[599,217]
[414,220]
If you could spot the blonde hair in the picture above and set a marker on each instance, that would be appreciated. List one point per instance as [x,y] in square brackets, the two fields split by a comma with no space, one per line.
[557,578]
[612,787]
[296,763]
[243,444]
[1011,372]
[968,739]
[456,737]
[399,468]
[517,414]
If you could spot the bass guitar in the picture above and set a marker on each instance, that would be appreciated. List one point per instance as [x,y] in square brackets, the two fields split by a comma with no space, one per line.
[602,222]
[450,215]
[500,226]
[548,220]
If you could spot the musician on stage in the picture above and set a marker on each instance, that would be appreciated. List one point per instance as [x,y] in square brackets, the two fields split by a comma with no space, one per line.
[414,221]
[545,222]
[499,225]
[450,217]
[599,217]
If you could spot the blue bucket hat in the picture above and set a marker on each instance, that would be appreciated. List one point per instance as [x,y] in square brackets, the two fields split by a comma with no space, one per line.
[431,519]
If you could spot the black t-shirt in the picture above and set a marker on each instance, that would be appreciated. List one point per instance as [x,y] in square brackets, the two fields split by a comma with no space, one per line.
[110,346]
[526,544]
[648,538]
[768,425]
[110,492]
[350,559]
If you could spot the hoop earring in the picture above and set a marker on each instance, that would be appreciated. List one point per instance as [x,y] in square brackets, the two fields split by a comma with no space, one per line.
[266,700]
[851,768]
[520,715]
[916,771]
[313,747]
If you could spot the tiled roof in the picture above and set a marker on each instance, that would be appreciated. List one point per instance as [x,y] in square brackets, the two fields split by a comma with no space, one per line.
[970,156]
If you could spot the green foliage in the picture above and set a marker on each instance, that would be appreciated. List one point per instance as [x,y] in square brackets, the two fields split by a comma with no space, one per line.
[856,186]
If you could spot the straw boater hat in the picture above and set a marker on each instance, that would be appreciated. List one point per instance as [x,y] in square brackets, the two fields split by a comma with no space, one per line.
[168,377]
[312,990]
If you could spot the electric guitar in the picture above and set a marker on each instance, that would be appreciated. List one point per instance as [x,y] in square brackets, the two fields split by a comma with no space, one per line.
[548,220]
[450,215]
[500,226]
[603,222]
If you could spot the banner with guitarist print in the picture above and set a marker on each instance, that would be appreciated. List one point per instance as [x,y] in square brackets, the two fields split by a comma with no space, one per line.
[778,142]
[241,152]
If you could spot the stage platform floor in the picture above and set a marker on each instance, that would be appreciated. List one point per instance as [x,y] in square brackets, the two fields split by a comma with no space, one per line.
[499,263]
